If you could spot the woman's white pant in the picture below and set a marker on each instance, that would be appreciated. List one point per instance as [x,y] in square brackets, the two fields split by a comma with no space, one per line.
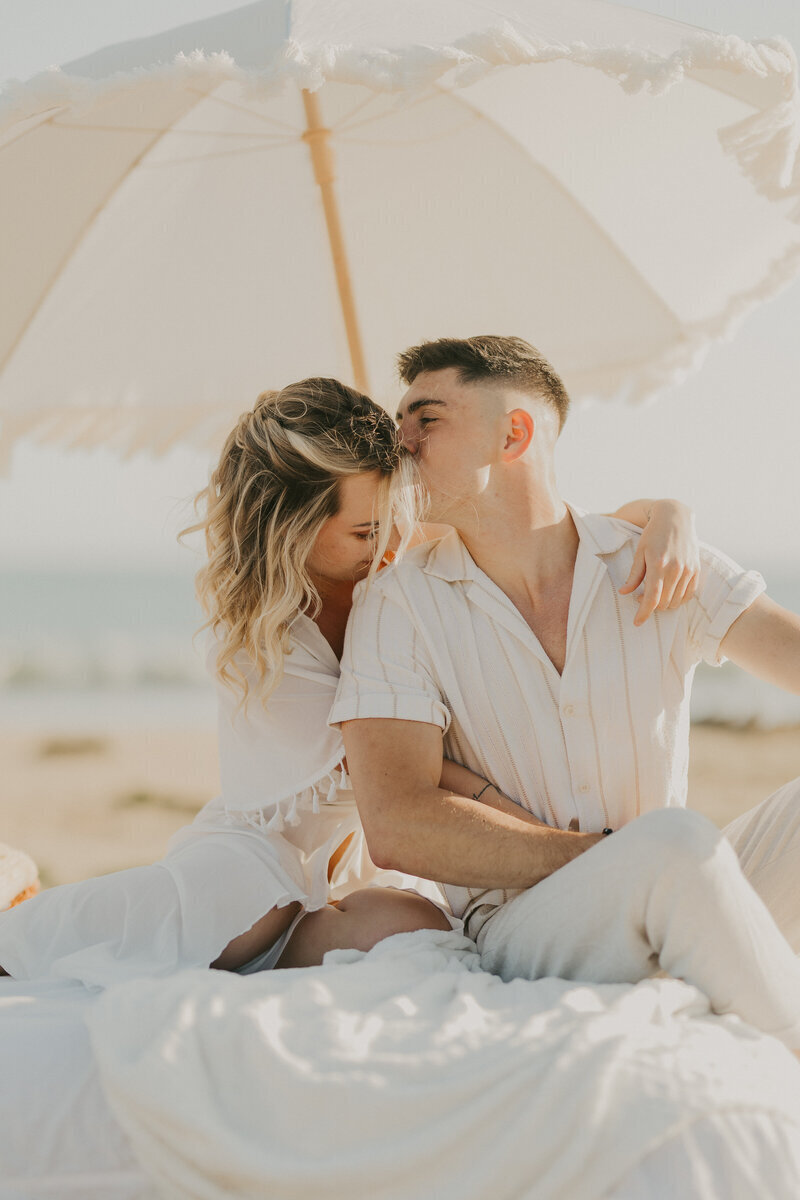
[666,892]
[149,921]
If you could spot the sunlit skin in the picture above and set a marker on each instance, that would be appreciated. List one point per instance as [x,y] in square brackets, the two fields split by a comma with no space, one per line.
[485,453]
[342,556]
[464,436]
[343,553]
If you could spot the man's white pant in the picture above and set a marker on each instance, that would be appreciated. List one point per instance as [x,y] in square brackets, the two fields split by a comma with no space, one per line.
[667,892]
[767,843]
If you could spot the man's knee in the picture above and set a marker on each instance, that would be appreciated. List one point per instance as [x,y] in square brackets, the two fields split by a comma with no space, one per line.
[679,836]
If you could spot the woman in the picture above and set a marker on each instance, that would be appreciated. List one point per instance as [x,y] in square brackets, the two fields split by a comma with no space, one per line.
[302,505]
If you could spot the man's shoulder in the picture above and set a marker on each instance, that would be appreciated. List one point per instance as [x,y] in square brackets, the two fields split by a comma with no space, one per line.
[604,533]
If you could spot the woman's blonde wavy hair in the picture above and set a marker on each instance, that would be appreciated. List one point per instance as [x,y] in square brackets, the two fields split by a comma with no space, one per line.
[276,484]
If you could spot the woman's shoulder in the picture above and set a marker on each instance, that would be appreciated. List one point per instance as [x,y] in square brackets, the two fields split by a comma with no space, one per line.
[305,653]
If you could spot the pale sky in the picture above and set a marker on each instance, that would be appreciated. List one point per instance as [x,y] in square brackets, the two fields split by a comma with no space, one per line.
[726,440]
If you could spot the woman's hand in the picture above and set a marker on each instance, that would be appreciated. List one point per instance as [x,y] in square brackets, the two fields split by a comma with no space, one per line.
[667,558]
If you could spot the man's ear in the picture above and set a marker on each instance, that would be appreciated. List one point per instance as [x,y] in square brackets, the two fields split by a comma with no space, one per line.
[519,434]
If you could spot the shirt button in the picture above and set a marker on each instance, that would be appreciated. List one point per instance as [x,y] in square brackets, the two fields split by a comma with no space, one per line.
[584,787]
[569,710]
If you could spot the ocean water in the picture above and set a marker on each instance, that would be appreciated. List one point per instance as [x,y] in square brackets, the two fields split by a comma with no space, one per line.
[102,650]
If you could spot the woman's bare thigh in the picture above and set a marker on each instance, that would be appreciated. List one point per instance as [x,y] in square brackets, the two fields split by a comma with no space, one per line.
[359,922]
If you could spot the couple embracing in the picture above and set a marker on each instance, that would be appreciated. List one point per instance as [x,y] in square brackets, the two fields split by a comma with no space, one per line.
[490,733]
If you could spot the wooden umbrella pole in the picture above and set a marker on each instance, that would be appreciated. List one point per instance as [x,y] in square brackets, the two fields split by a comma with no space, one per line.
[318,139]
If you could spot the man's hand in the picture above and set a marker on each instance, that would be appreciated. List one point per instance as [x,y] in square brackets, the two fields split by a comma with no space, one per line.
[765,640]
[667,558]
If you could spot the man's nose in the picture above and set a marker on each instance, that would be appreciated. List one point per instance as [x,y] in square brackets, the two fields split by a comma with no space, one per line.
[408,437]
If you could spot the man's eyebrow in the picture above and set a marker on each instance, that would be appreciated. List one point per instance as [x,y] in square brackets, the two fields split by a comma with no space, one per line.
[415,404]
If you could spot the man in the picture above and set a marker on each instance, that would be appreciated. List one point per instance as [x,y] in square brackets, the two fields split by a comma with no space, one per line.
[507,646]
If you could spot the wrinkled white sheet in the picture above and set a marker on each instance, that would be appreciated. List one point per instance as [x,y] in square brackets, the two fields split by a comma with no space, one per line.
[409,1072]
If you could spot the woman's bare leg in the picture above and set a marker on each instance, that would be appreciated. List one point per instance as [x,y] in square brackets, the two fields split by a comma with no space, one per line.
[257,939]
[359,922]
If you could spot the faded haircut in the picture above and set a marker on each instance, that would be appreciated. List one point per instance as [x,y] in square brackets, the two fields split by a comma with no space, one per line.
[493,359]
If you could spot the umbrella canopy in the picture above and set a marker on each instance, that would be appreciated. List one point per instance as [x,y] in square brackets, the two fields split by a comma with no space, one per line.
[298,188]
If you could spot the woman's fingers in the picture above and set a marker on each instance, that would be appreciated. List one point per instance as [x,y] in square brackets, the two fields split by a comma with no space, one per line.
[684,589]
[666,586]
[671,579]
[636,573]
[650,597]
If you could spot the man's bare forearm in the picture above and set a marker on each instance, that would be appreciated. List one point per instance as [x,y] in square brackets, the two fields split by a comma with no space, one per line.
[413,824]
[455,839]
[765,640]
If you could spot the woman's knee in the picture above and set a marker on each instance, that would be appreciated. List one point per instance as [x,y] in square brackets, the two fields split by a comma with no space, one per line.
[359,922]
[377,913]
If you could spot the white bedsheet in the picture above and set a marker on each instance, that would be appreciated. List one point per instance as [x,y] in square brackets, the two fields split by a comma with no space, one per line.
[409,1074]
[58,1136]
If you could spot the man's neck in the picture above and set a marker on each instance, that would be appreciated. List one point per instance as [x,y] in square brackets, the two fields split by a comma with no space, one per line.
[528,546]
[525,543]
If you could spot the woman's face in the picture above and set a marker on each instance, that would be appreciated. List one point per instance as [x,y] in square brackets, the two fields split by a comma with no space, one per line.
[344,547]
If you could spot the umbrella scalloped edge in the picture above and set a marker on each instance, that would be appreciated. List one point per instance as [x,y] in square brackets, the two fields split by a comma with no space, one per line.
[135,428]
[766,145]
[642,382]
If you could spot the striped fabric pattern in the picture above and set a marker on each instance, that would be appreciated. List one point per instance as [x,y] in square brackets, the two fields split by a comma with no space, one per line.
[433,639]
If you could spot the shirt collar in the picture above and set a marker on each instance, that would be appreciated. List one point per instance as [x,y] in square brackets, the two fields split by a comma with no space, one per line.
[606,535]
[450,560]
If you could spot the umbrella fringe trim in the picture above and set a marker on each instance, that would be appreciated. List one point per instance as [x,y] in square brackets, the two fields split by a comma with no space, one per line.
[129,429]
[133,429]
[643,382]
[766,145]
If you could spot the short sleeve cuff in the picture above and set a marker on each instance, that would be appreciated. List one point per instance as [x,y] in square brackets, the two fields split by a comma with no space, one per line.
[746,589]
[393,707]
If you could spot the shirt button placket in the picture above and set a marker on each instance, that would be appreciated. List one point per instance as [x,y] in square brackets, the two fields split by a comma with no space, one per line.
[575,740]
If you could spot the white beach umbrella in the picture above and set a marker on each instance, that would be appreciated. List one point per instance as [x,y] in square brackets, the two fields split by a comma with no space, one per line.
[306,186]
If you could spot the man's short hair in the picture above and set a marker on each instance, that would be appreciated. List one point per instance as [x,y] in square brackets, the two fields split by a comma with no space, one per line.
[507,359]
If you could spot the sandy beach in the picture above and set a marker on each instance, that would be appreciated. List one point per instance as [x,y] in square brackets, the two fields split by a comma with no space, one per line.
[86,805]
